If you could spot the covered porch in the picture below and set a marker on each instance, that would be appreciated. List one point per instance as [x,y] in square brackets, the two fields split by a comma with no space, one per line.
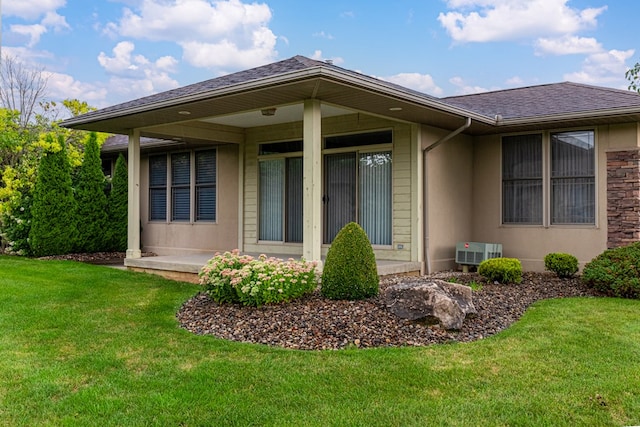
[186,267]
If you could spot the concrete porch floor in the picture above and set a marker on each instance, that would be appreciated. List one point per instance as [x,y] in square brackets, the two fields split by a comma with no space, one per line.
[186,267]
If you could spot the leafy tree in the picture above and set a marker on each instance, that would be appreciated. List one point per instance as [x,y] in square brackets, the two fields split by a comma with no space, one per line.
[92,201]
[118,202]
[633,75]
[53,224]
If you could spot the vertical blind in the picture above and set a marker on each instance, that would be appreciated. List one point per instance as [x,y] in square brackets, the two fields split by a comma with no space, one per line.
[522,179]
[573,178]
[206,191]
[271,199]
[375,196]
[180,187]
[294,200]
[340,193]
[158,188]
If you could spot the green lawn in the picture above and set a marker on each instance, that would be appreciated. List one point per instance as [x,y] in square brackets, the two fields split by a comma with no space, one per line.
[90,345]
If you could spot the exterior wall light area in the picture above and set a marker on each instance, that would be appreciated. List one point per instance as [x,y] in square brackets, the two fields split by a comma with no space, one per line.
[268,112]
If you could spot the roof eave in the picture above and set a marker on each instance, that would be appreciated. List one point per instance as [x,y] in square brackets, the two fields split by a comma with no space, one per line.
[361,81]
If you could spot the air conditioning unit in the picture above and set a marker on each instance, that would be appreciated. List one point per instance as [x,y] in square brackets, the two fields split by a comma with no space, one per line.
[473,253]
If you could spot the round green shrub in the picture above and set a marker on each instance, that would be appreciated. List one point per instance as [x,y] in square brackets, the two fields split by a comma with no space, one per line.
[615,271]
[350,271]
[564,265]
[501,270]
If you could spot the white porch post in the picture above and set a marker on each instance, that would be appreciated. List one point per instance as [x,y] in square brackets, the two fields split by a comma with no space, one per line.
[133,203]
[312,181]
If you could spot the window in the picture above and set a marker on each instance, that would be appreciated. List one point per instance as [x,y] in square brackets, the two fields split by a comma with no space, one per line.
[280,213]
[569,182]
[522,179]
[191,199]
[358,188]
[180,187]
[358,185]
[572,178]
[206,186]
[158,188]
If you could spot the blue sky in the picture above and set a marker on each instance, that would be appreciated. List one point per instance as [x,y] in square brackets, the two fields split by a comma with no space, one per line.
[110,51]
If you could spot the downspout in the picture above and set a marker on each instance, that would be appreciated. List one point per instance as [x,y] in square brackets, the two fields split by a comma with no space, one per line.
[425,193]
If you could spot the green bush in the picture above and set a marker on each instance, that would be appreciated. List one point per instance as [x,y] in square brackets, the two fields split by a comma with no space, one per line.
[615,271]
[234,278]
[350,270]
[501,270]
[564,265]
[53,222]
[118,215]
[92,201]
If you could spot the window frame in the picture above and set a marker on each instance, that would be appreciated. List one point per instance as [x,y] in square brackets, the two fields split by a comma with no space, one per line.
[359,148]
[169,187]
[278,155]
[547,180]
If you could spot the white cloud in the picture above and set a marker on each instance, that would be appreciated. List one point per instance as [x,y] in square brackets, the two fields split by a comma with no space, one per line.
[135,75]
[30,9]
[323,35]
[33,32]
[463,88]
[420,82]
[63,86]
[567,45]
[318,56]
[603,68]
[224,33]
[495,20]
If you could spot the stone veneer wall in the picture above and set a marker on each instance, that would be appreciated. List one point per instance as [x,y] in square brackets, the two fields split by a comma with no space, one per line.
[623,197]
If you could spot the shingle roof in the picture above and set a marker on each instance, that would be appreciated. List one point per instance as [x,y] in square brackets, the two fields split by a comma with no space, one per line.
[545,100]
[295,63]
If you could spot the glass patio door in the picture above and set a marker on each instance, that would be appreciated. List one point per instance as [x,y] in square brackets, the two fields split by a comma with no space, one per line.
[339,193]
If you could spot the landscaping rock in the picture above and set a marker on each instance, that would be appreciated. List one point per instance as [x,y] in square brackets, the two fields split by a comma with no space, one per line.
[447,303]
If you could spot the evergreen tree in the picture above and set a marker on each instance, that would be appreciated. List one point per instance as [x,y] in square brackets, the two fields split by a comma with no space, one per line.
[53,224]
[92,201]
[118,203]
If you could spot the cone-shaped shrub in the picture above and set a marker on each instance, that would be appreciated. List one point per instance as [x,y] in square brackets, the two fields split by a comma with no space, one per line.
[92,201]
[53,224]
[350,271]
[118,206]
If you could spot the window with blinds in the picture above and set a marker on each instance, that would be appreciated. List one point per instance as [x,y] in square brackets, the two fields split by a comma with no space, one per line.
[181,187]
[206,185]
[573,183]
[280,217]
[191,178]
[522,179]
[569,181]
[158,188]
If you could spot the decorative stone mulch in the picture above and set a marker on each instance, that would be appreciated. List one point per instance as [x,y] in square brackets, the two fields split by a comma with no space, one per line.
[315,323]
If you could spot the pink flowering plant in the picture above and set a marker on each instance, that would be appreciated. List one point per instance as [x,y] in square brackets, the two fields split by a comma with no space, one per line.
[234,278]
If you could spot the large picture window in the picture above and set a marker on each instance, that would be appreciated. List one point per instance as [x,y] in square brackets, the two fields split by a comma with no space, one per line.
[569,180]
[192,189]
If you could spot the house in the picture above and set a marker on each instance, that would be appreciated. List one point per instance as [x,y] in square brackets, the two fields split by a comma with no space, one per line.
[276,159]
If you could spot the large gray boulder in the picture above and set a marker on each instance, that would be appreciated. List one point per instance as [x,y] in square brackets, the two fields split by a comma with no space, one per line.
[446,303]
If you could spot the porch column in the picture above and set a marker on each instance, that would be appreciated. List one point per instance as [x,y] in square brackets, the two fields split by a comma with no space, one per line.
[312,181]
[133,202]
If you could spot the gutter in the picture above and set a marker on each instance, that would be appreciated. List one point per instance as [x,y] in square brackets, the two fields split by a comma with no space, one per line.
[426,262]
